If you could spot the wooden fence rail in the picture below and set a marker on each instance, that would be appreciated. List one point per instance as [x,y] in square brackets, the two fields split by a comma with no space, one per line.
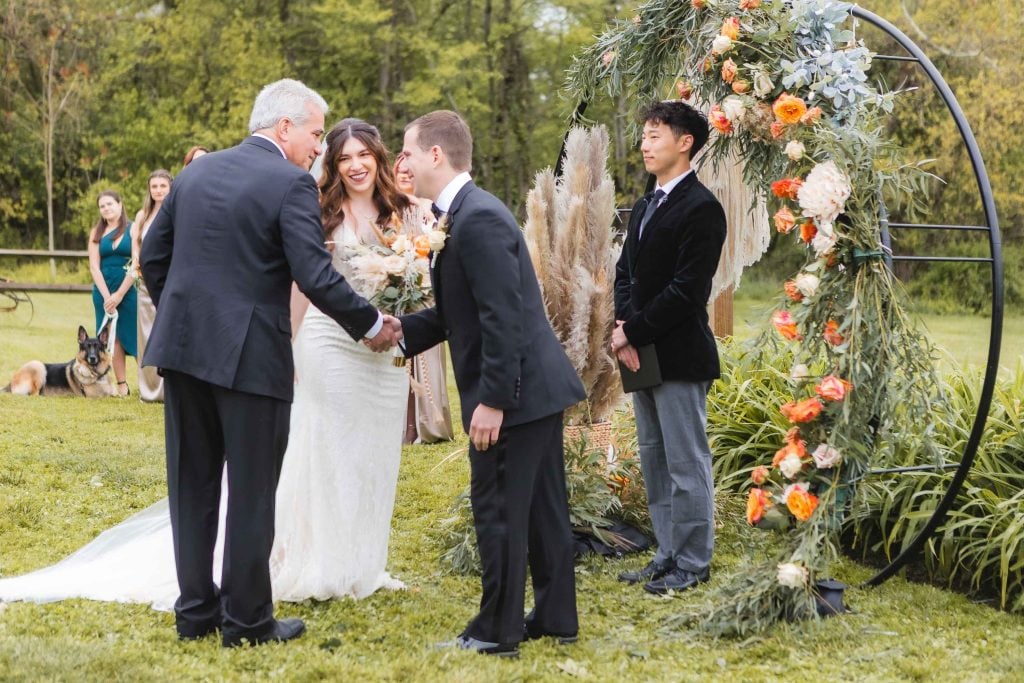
[8,286]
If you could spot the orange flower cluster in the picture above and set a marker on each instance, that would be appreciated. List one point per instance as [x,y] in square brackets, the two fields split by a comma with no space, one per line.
[719,120]
[786,325]
[807,231]
[699,4]
[789,109]
[731,28]
[801,503]
[796,447]
[757,503]
[422,244]
[802,411]
[792,291]
[831,333]
[749,4]
[831,388]
[729,70]
[784,218]
[787,188]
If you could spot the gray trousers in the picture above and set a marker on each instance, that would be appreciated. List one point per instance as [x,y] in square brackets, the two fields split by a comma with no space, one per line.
[671,425]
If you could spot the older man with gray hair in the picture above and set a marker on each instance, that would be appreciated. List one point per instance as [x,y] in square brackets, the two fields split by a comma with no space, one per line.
[219,261]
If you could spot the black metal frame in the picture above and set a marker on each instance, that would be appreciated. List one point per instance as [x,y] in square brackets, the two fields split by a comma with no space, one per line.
[910,551]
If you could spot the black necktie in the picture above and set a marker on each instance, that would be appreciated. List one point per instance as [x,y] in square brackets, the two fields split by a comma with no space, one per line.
[436,210]
[652,206]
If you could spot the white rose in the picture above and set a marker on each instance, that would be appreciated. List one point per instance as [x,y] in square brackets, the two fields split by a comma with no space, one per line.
[401,244]
[792,575]
[825,457]
[795,149]
[791,465]
[721,44]
[789,489]
[763,85]
[733,108]
[436,239]
[799,372]
[395,265]
[807,284]
[823,243]
[824,192]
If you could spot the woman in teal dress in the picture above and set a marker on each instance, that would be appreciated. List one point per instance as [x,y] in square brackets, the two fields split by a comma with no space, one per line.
[110,253]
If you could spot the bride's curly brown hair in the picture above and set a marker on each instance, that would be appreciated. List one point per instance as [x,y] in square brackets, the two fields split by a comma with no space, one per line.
[389,200]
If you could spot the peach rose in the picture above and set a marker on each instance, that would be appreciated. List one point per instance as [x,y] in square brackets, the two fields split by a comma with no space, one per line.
[757,503]
[795,448]
[802,504]
[777,129]
[802,411]
[788,109]
[786,325]
[787,188]
[684,89]
[831,333]
[699,4]
[731,28]
[740,86]
[759,475]
[422,244]
[784,220]
[807,231]
[792,291]
[811,116]
[729,71]
[749,4]
[793,436]
[720,121]
[831,388]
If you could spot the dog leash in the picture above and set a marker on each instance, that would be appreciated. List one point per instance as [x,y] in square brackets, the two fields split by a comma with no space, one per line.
[112,319]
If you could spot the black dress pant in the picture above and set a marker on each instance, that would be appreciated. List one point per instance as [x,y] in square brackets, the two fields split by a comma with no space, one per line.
[520,511]
[208,426]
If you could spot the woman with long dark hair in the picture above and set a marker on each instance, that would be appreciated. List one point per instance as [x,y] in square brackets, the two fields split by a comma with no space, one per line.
[110,253]
[151,385]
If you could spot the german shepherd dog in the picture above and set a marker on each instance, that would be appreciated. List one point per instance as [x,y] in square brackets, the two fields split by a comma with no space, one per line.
[86,375]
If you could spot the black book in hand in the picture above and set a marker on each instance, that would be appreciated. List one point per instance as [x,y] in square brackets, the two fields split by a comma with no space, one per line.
[649,374]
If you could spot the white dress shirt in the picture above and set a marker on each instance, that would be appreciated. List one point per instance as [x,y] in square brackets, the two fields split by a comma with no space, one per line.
[447,195]
[667,188]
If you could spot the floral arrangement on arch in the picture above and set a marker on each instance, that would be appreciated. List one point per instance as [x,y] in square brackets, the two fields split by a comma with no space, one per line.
[786,86]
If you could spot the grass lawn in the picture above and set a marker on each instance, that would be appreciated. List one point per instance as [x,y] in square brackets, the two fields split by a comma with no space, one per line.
[70,468]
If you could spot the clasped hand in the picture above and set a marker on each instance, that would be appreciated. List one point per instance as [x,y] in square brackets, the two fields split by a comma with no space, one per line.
[390,334]
[623,350]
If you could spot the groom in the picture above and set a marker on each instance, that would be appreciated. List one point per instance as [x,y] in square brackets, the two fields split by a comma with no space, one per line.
[237,228]
[514,382]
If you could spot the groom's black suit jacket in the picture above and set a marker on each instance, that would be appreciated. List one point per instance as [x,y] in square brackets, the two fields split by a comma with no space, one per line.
[663,280]
[236,229]
[489,308]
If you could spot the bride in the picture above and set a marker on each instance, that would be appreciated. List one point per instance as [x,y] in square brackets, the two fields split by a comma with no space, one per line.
[337,487]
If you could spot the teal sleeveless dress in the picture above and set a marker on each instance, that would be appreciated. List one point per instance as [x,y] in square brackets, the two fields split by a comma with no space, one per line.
[112,264]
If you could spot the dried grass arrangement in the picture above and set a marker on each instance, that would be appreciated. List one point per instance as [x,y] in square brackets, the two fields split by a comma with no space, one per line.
[569,228]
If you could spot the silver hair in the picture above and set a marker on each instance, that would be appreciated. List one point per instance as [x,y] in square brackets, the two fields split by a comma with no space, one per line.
[283,99]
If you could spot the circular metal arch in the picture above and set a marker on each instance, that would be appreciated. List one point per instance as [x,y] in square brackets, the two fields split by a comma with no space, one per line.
[911,550]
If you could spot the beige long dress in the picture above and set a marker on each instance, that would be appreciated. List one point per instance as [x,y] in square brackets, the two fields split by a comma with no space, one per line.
[151,385]
[433,411]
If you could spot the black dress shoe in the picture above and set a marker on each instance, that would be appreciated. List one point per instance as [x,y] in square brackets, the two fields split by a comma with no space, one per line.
[285,629]
[196,632]
[653,570]
[676,580]
[563,639]
[482,646]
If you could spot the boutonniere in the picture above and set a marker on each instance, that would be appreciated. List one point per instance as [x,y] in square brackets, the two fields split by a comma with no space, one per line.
[437,237]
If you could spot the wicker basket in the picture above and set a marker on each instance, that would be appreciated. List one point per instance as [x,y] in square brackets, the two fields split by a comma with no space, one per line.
[599,434]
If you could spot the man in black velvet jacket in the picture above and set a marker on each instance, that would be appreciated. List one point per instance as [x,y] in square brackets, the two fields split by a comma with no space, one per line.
[662,285]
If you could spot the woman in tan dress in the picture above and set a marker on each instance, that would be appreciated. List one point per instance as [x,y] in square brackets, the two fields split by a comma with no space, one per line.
[429,418]
[151,385]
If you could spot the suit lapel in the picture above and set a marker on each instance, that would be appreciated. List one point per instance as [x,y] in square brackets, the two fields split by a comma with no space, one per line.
[674,197]
[435,273]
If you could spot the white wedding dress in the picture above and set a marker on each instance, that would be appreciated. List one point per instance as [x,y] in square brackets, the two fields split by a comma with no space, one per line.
[334,499]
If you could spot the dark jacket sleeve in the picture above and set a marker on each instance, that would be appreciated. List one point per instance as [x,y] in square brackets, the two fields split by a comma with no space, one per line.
[699,252]
[310,262]
[489,253]
[155,256]
[421,331]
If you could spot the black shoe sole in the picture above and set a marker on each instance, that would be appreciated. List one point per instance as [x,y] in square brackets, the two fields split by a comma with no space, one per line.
[656,591]
[239,641]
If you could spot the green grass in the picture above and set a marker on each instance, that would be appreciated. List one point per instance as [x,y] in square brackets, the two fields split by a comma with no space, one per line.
[70,468]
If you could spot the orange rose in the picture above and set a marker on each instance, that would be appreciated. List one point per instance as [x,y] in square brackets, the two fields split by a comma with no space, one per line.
[757,503]
[797,448]
[729,71]
[709,64]
[801,503]
[786,325]
[831,333]
[740,86]
[787,188]
[793,436]
[788,109]
[731,28]
[807,231]
[749,4]
[784,220]
[777,129]
[831,388]
[812,116]
[792,291]
[684,90]
[422,243]
[719,120]
[699,4]
[759,475]
[802,411]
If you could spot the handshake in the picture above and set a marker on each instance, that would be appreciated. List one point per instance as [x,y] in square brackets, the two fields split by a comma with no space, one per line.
[388,337]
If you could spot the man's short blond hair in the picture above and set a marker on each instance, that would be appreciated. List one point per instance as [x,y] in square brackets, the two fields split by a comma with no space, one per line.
[449,131]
